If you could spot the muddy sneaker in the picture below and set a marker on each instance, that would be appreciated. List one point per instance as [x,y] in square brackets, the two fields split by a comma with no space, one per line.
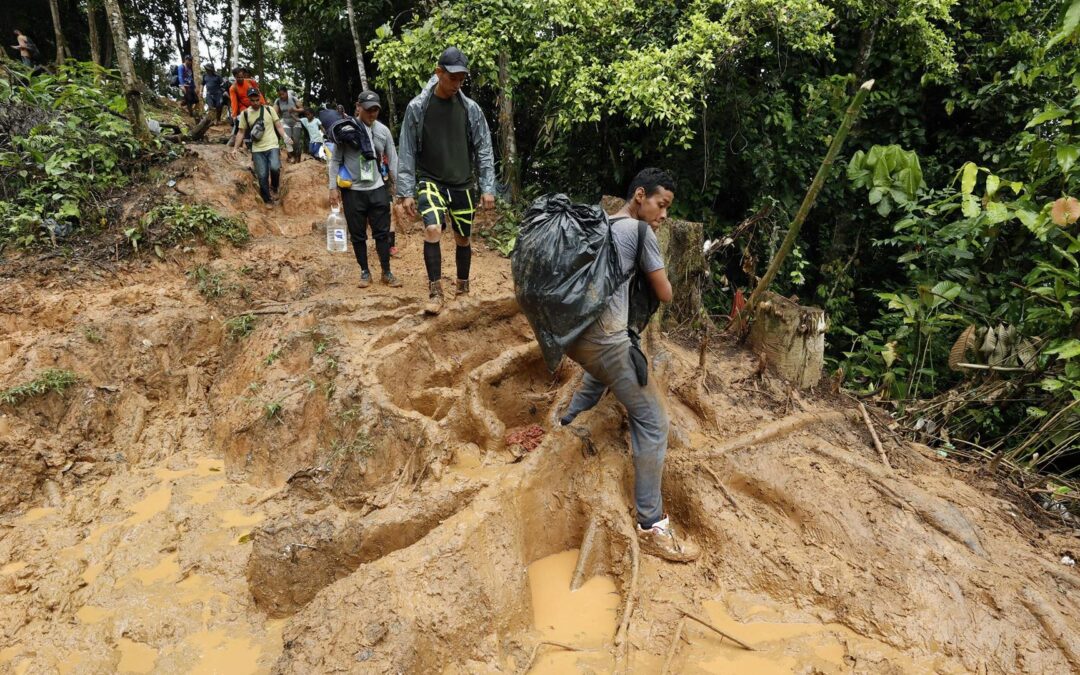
[365,279]
[660,540]
[462,287]
[390,280]
[393,252]
[435,298]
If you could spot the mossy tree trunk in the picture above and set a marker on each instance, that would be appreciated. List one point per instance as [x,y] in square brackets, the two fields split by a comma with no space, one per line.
[127,69]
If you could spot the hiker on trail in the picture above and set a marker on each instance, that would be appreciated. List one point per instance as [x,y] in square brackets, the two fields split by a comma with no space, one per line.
[289,110]
[604,352]
[215,91]
[314,128]
[238,95]
[266,135]
[186,78]
[366,199]
[28,51]
[445,144]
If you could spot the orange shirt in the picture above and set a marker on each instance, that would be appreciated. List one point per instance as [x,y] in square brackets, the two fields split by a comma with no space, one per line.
[238,98]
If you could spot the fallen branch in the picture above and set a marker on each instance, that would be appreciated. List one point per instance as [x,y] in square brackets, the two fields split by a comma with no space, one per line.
[708,625]
[873,435]
[536,651]
[674,647]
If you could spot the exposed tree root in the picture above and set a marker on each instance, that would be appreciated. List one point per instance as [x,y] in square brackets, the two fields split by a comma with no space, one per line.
[940,515]
[772,431]
[1056,629]
[585,554]
[720,486]
[716,630]
[487,422]
[622,642]
[674,647]
[536,651]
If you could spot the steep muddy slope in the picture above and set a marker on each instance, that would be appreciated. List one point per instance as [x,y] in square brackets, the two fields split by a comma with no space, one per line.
[339,484]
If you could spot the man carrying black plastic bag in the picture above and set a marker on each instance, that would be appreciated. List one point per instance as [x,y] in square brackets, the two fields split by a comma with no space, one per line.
[561,291]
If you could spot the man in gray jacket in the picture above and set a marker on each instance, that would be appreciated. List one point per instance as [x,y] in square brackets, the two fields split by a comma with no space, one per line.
[445,151]
[366,199]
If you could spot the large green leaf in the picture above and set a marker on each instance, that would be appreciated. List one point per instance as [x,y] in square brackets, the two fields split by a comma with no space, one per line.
[970,172]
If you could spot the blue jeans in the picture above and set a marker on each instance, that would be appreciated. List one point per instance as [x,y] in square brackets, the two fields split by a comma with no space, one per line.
[609,367]
[268,170]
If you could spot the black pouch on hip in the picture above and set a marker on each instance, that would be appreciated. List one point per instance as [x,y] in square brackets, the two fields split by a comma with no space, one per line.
[637,359]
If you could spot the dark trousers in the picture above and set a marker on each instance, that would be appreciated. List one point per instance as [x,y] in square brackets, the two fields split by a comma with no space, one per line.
[361,208]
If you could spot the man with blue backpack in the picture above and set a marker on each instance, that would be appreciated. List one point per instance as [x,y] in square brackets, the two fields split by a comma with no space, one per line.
[185,79]
[357,184]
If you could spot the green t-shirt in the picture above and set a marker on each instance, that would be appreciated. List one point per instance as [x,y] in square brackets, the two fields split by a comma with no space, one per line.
[269,140]
[444,158]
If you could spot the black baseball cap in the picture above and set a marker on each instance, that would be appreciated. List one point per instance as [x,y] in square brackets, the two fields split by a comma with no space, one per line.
[253,92]
[453,61]
[368,100]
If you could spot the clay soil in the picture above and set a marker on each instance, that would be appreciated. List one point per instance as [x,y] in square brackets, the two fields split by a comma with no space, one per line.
[332,489]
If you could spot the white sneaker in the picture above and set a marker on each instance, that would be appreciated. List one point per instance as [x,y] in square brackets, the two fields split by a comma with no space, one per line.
[660,540]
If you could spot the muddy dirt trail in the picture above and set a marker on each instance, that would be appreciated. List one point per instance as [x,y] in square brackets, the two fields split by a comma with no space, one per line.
[333,485]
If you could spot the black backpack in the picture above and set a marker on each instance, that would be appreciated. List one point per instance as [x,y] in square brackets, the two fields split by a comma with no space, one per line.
[35,54]
[174,75]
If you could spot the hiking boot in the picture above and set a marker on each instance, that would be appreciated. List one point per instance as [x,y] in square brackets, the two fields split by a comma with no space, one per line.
[660,540]
[462,287]
[435,298]
[365,279]
[390,280]
[393,252]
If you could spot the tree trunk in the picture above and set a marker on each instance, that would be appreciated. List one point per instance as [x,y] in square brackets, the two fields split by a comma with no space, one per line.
[260,63]
[127,69]
[95,38]
[507,135]
[196,67]
[176,17]
[108,58]
[234,37]
[392,108]
[791,338]
[356,44]
[61,45]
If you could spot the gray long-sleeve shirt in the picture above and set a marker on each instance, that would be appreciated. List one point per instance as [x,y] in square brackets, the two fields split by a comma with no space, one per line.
[383,143]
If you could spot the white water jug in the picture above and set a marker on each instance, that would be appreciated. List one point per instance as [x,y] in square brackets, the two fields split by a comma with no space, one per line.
[336,238]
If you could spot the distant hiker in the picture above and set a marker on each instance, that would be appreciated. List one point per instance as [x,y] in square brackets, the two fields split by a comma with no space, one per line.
[358,185]
[314,128]
[445,144]
[262,122]
[289,110]
[28,51]
[215,91]
[238,94]
[186,78]
[605,352]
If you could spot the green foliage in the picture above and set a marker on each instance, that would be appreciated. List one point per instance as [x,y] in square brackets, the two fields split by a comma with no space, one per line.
[92,334]
[239,327]
[214,284]
[67,143]
[183,222]
[502,236]
[48,381]
[993,250]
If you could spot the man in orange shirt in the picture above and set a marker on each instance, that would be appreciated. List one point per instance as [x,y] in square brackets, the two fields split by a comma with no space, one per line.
[238,97]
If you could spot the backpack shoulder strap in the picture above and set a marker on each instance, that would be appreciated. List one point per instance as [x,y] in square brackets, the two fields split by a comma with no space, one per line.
[642,232]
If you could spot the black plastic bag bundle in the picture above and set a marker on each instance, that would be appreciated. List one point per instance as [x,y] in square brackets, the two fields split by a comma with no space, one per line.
[565,270]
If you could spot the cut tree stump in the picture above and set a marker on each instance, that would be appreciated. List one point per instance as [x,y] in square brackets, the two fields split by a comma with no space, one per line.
[791,338]
[682,244]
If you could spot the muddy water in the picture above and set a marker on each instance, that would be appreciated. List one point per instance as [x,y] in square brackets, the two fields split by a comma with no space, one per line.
[152,561]
[583,618]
